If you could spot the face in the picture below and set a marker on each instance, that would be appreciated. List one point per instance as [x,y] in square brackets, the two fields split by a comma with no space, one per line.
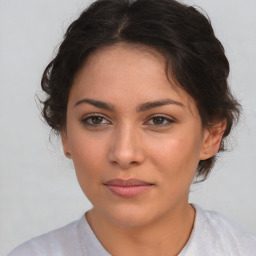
[135,140]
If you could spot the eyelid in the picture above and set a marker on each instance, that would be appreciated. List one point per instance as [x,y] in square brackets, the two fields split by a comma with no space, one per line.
[88,116]
[170,119]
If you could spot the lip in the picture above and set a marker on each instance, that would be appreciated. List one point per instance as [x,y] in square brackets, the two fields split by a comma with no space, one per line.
[127,188]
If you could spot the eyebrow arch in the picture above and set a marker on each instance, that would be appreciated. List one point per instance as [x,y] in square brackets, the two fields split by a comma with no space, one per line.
[142,107]
[158,103]
[96,103]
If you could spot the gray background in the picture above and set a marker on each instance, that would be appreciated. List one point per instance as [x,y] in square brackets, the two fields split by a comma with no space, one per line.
[38,188]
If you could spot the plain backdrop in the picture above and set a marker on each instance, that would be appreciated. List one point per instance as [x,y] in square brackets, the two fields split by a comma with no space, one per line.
[38,187]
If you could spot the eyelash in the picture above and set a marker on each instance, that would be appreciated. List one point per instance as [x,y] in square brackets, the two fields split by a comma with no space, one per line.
[89,117]
[168,119]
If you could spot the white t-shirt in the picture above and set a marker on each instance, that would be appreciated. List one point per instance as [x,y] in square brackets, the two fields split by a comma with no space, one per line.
[212,235]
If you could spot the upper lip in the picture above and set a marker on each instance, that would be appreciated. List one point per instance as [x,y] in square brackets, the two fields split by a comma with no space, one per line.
[127,183]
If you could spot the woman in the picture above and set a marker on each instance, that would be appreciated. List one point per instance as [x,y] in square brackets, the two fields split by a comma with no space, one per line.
[138,93]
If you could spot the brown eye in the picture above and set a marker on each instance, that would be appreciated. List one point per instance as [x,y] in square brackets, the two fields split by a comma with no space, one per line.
[158,120]
[94,120]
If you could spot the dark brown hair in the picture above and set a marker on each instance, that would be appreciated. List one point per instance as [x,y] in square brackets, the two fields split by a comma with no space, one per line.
[181,33]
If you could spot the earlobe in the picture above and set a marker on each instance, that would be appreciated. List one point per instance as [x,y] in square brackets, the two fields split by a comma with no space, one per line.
[212,140]
[65,146]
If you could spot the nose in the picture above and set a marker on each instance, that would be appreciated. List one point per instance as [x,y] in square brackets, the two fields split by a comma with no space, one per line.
[126,148]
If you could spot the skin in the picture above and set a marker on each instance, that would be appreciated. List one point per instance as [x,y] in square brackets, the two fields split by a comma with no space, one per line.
[130,144]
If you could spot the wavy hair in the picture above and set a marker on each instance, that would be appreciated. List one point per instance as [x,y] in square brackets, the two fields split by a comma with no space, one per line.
[181,33]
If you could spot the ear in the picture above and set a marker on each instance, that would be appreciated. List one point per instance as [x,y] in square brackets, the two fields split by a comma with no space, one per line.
[65,146]
[212,139]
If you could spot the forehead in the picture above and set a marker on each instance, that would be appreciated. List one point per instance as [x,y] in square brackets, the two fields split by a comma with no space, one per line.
[122,58]
[127,72]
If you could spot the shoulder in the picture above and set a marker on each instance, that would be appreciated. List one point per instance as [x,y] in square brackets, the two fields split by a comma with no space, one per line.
[62,241]
[214,233]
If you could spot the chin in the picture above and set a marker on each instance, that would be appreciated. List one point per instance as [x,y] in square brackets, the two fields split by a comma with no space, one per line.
[130,217]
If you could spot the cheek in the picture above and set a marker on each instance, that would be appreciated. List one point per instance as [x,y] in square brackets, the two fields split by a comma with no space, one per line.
[173,148]
[176,156]
[89,157]
[176,162]
[89,161]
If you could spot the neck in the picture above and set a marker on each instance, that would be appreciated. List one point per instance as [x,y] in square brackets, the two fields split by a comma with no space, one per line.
[166,236]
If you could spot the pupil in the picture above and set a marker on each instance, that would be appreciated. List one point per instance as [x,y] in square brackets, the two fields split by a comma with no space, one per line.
[97,119]
[158,120]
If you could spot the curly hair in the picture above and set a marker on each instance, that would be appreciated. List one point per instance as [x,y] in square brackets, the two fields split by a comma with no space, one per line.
[181,33]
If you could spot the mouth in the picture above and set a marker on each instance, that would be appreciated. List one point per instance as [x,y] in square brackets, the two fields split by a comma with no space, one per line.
[127,188]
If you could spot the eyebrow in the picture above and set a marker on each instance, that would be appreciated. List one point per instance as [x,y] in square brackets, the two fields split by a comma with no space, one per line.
[154,104]
[142,107]
[96,103]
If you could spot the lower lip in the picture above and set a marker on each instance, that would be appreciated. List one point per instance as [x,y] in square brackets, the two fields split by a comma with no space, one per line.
[130,191]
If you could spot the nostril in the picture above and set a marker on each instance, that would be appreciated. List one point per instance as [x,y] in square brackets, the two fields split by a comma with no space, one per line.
[114,162]
[127,164]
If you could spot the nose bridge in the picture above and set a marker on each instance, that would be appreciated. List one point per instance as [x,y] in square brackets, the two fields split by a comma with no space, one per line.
[126,146]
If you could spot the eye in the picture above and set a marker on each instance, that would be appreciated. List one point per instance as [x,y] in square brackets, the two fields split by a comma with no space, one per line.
[160,120]
[95,120]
